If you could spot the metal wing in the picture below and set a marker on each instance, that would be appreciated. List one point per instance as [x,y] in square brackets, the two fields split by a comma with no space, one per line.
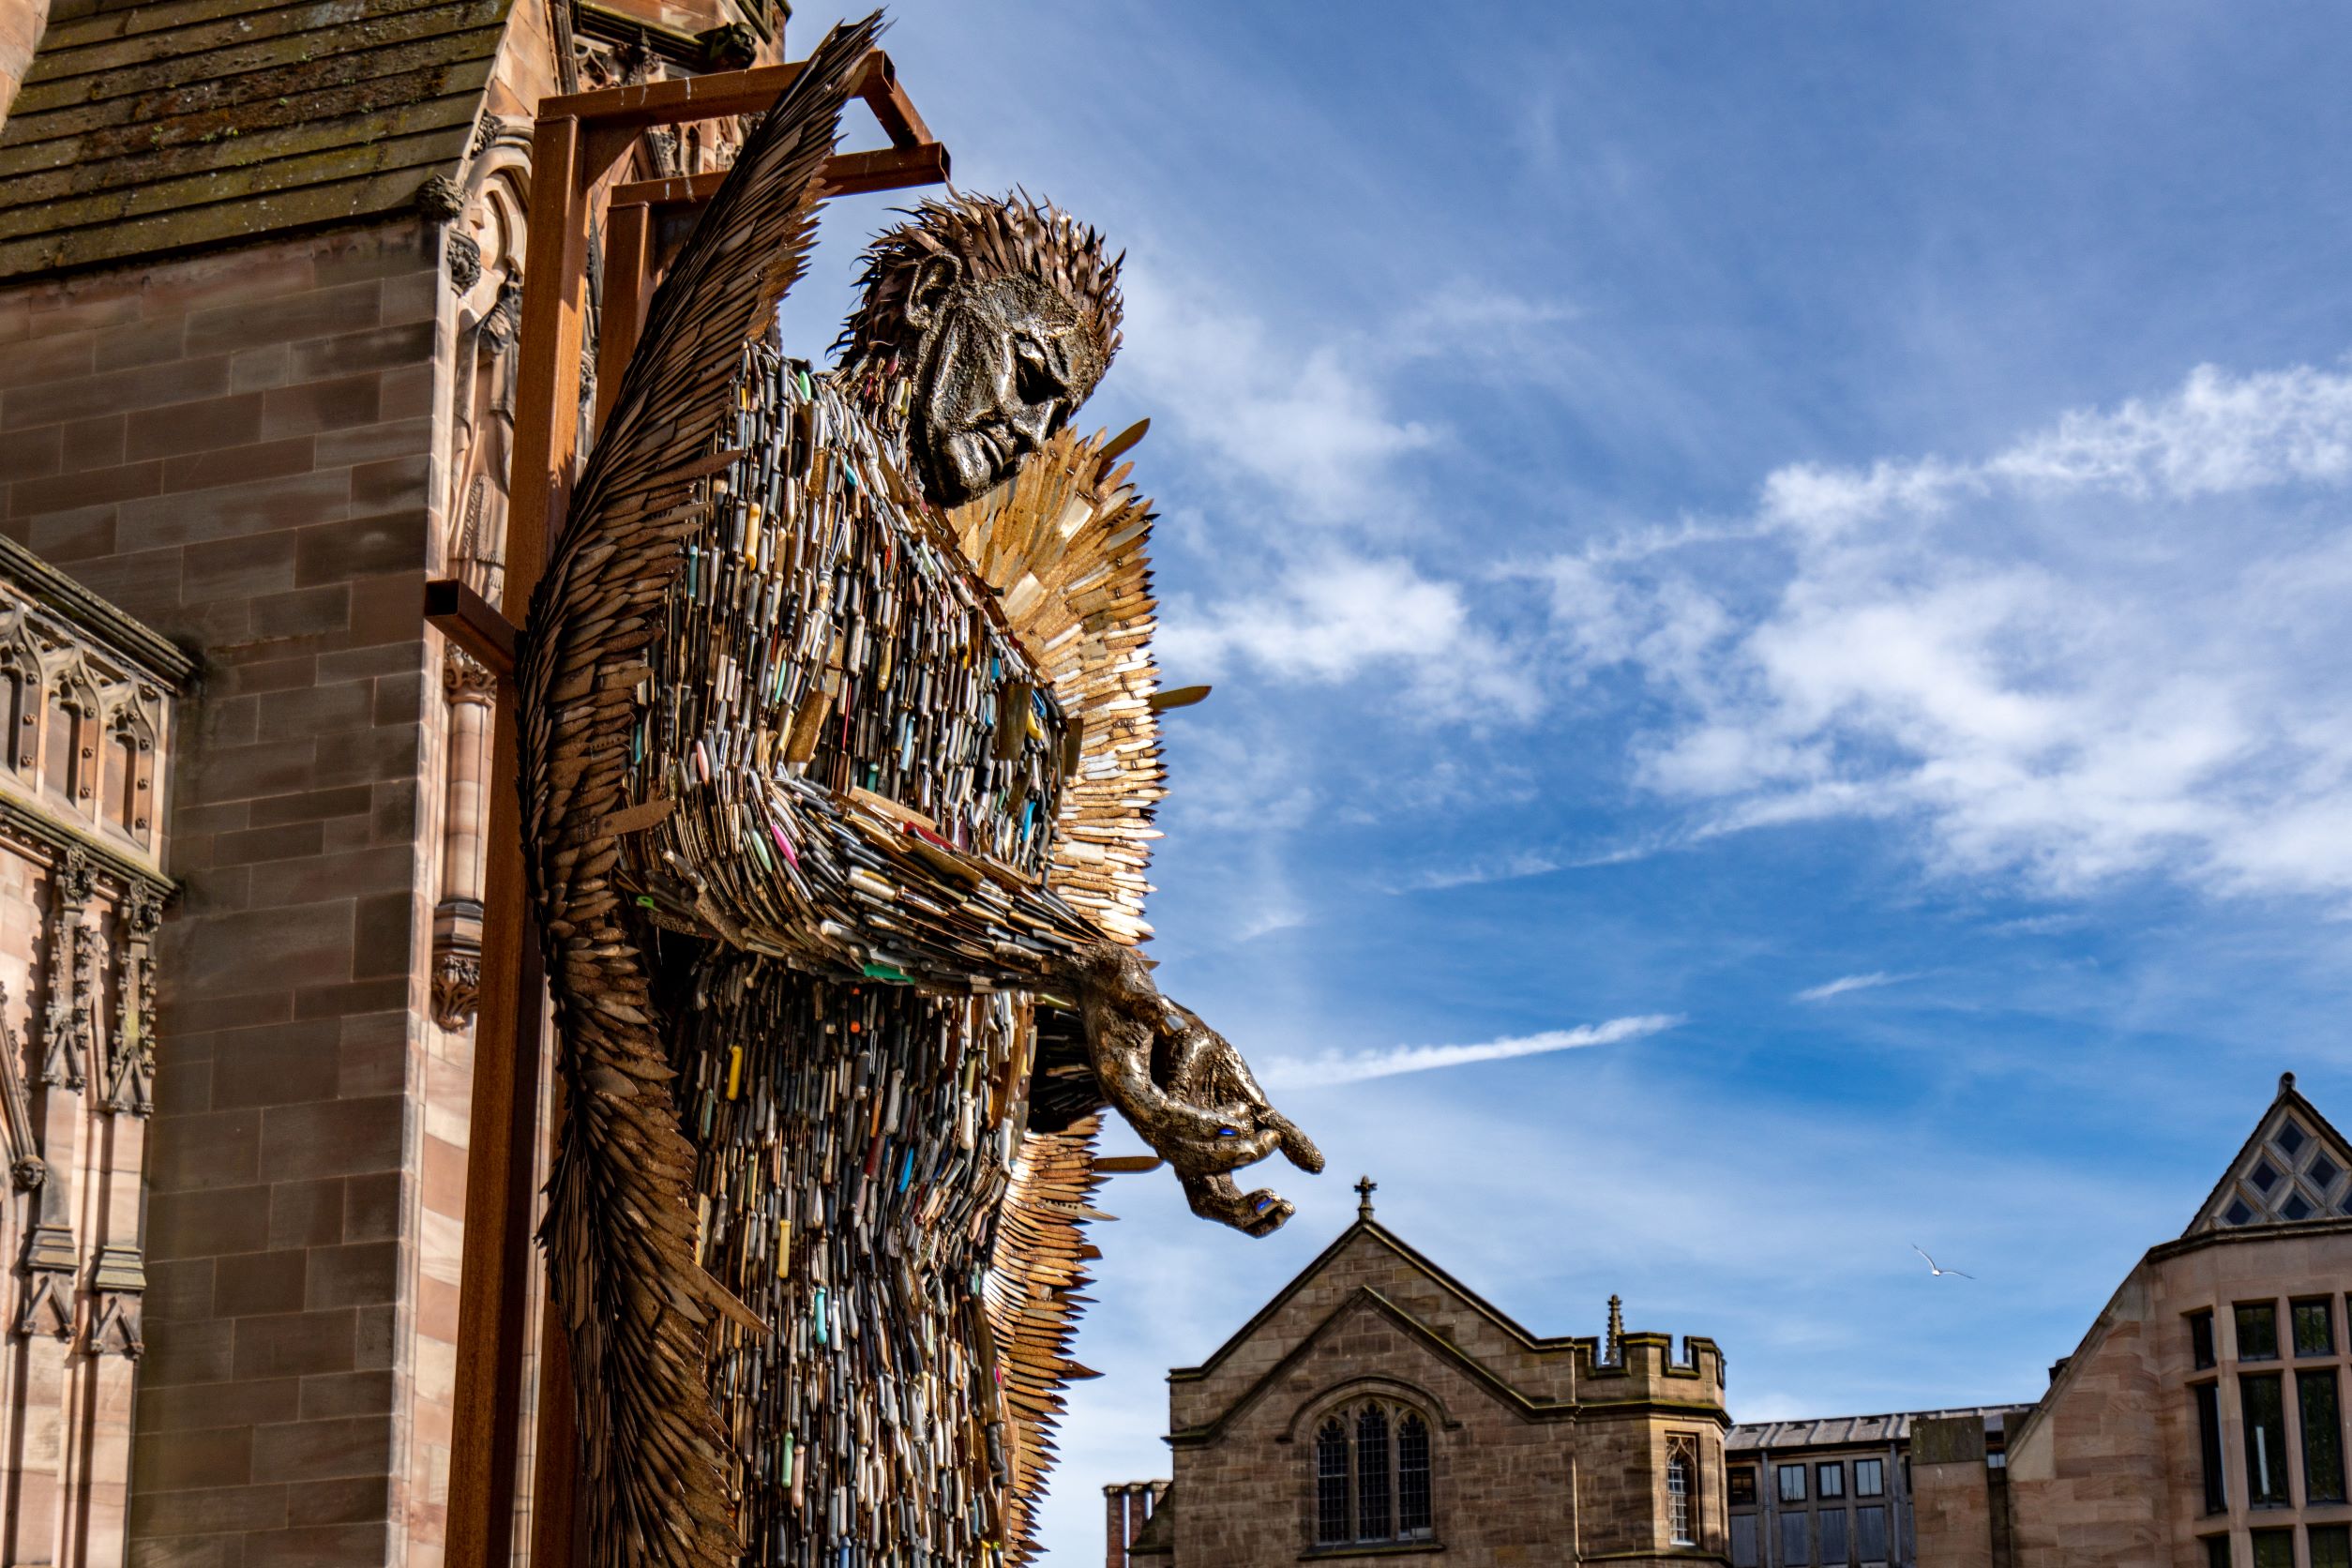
[1066,546]
[620,1230]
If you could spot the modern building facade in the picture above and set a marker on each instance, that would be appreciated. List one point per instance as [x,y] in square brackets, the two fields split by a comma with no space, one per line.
[1839,1491]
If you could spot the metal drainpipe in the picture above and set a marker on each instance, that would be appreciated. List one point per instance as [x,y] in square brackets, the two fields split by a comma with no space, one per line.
[1768,1512]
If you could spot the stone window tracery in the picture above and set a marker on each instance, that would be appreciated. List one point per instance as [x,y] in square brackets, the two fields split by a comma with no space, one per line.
[1681,1484]
[1372,1475]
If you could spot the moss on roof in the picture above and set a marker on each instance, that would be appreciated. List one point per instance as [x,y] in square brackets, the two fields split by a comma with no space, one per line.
[150,129]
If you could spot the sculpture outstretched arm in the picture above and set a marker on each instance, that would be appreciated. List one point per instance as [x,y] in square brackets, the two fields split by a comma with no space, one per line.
[859,886]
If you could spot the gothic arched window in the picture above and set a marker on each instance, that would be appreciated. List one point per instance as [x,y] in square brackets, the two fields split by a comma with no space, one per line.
[1682,1485]
[1372,1475]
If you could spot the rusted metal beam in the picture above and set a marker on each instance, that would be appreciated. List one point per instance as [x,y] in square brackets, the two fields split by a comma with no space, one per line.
[502,1153]
[473,623]
[628,290]
[846,175]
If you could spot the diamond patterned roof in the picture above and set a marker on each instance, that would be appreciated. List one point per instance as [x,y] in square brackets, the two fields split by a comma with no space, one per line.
[2295,1169]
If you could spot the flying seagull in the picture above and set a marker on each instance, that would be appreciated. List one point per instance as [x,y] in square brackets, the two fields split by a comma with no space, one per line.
[1931,1268]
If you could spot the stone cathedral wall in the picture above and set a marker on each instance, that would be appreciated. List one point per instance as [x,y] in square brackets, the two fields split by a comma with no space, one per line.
[240,450]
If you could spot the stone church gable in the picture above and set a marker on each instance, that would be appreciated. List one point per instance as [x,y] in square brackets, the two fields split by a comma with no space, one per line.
[1369,1270]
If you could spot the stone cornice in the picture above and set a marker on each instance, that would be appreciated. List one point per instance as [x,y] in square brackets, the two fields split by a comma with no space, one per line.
[22,820]
[59,597]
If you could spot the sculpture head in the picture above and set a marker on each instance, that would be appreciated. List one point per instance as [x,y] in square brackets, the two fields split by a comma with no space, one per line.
[1001,316]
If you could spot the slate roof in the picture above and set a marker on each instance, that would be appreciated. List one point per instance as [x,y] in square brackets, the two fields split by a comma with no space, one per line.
[148,128]
[1846,1431]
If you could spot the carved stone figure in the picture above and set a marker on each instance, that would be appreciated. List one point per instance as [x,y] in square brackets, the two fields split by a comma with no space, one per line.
[794,786]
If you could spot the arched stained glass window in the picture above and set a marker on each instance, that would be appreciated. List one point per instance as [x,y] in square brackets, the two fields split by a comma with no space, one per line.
[1332,1522]
[1372,1476]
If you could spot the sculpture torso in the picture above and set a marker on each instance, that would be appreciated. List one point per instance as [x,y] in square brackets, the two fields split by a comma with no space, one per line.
[823,627]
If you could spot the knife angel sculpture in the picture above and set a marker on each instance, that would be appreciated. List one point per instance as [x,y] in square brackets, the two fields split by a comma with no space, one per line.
[837,765]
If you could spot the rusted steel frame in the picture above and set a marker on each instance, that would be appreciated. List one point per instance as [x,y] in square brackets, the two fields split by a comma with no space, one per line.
[846,175]
[502,1166]
[473,623]
[628,110]
[628,292]
[633,266]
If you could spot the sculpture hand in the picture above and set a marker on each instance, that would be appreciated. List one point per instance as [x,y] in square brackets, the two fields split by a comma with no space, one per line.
[1186,1090]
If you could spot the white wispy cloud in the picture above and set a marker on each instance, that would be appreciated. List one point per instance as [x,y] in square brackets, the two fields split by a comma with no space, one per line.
[1338,615]
[2109,649]
[1844,982]
[1353,1067]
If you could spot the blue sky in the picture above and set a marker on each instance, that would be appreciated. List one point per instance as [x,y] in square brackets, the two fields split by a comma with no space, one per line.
[1778,572]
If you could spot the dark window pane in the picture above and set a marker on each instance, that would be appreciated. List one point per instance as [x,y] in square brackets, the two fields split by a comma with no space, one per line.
[1744,1540]
[2323,1436]
[1832,1480]
[2314,1328]
[2209,1396]
[1744,1486]
[2201,1338]
[1792,1483]
[2265,1176]
[1413,1477]
[1678,1499]
[2274,1549]
[1331,1484]
[2217,1551]
[2331,1546]
[1870,1478]
[2323,1172]
[2262,1402]
[1833,1538]
[1372,1498]
[2296,1208]
[1870,1534]
[2257,1331]
[1796,1548]
[2291,1138]
[2238,1213]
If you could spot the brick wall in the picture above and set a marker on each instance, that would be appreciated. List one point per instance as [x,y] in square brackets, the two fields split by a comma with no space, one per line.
[238,449]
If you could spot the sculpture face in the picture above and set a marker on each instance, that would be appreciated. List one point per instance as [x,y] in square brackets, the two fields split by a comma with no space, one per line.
[1002,366]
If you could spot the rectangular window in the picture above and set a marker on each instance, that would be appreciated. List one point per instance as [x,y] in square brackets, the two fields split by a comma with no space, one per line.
[2330,1545]
[2314,1328]
[2209,1396]
[1743,1541]
[2201,1339]
[1412,1478]
[1792,1483]
[1831,1479]
[2273,1548]
[1870,1478]
[1870,1534]
[1795,1547]
[2323,1436]
[1744,1486]
[2262,1403]
[1833,1538]
[2217,1551]
[2257,1331]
